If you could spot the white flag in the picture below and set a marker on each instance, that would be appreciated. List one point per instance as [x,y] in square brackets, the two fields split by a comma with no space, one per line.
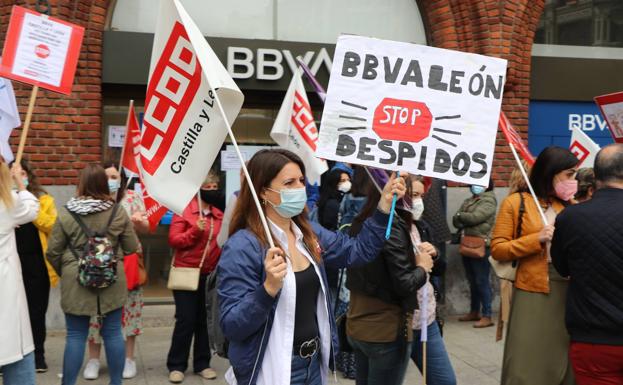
[583,147]
[9,118]
[295,129]
[183,129]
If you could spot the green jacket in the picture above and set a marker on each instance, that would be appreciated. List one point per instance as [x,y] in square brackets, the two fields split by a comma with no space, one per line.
[477,215]
[75,298]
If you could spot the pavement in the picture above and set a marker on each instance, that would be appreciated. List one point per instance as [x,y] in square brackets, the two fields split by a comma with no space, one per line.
[475,355]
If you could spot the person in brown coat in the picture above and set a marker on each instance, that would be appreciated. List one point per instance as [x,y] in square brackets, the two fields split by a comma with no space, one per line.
[537,344]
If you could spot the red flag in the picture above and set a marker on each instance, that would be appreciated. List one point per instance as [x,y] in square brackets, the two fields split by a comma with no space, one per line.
[154,210]
[130,152]
[514,139]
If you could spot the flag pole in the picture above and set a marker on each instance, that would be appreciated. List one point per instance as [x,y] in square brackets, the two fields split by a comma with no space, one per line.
[525,176]
[22,139]
[388,231]
[424,362]
[127,135]
[199,205]
[258,205]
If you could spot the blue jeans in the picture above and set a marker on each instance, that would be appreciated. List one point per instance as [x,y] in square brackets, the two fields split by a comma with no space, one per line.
[21,372]
[477,271]
[381,363]
[305,371]
[439,370]
[77,331]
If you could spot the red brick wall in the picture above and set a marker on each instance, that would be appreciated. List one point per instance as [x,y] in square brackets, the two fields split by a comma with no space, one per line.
[65,132]
[502,28]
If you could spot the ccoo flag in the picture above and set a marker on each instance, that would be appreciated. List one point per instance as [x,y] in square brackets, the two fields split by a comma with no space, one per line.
[129,159]
[514,139]
[583,148]
[183,129]
[295,128]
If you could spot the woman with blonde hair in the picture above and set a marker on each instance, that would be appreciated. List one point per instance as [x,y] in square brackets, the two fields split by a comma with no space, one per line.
[32,242]
[16,350]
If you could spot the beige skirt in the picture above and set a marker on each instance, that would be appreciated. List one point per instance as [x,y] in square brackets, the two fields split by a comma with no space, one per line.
[537,344]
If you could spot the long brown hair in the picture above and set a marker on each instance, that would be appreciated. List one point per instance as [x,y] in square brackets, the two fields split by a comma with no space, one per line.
[263,168]
[94,183]
[33,182]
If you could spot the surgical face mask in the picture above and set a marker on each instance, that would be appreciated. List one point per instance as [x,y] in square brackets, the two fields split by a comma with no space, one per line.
[292,201]
[417,208]
[113,185]
[345,186]
[25,181]
[477,190]
[566,189]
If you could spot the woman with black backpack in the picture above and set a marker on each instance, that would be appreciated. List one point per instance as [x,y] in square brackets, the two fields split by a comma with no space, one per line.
[86,247]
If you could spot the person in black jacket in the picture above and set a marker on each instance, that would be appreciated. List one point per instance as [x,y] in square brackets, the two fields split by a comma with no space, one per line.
[588,247]
[439,369]
[383,295]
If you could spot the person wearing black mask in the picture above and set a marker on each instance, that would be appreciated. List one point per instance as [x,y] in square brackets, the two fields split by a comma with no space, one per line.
[193,237]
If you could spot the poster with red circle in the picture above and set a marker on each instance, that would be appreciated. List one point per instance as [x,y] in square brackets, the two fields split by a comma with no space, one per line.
[41,50]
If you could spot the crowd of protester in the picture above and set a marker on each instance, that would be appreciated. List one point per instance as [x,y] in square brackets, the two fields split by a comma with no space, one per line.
[322,288]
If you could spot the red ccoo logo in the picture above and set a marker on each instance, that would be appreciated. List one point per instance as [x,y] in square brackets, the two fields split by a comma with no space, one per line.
[303,120]
[42,51]
[171,89]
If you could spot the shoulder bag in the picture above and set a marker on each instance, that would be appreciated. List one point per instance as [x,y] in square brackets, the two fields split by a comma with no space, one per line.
[508,270]
[187,278]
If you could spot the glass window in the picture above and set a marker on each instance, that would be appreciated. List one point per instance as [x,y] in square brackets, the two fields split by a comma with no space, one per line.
[581,22]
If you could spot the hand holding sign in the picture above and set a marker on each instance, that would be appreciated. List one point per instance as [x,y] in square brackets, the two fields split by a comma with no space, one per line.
[395,186]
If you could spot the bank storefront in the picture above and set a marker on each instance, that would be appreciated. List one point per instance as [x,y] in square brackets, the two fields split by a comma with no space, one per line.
[258,42]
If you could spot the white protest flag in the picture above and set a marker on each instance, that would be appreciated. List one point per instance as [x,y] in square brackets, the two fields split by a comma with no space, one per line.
[183,129]
[402,106]
[583,148]
[295,128]
[9,118]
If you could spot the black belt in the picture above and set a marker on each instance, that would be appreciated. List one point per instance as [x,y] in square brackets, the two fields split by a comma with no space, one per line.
[307,349]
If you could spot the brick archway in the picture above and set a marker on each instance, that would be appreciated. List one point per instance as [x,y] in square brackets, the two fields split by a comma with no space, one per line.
[502,28]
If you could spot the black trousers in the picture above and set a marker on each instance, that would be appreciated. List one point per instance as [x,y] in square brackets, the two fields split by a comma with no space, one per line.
[37,286]
[190,321]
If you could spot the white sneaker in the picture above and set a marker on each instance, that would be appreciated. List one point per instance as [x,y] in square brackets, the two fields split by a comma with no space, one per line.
[129,370]
[91,369]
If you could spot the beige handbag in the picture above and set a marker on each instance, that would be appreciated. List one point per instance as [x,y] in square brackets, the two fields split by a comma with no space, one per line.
[187,278]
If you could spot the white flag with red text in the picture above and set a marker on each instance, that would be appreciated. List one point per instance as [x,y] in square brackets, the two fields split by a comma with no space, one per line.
[183,128]
[583,147]
[295,129]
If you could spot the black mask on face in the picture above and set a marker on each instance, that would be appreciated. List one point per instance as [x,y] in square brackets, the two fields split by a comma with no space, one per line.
[212,197]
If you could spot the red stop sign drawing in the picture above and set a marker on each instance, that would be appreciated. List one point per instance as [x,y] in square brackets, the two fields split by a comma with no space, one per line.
[404,120]
[42,51]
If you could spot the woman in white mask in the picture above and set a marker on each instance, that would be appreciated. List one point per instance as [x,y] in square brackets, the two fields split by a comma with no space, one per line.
[274,302]
[439,369]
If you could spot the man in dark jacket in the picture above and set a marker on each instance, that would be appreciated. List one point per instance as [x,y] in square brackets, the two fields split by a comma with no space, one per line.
[588,247]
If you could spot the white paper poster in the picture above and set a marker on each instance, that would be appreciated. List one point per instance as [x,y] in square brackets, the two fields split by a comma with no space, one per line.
[116,136]
[402,106]
[230,161]
[43,49]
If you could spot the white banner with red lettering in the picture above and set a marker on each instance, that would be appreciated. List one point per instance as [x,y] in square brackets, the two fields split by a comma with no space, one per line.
[295,129]
[183,130]
[426,110]
[583,147]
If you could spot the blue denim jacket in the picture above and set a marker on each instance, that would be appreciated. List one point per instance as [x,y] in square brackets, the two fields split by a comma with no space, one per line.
[247,310]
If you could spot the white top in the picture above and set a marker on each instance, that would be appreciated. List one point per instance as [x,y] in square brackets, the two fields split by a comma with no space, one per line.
[276,365]
[15,333]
